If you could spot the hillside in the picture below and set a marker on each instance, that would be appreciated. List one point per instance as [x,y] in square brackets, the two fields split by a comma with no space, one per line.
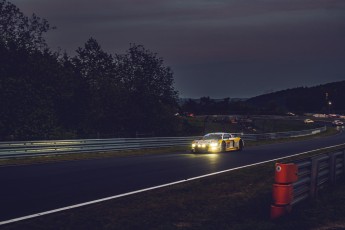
[327,98]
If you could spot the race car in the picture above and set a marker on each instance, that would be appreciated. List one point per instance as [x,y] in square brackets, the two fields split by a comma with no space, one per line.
[217,142]
[337,123]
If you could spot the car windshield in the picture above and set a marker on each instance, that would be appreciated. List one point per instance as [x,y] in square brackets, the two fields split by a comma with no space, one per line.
[212,137]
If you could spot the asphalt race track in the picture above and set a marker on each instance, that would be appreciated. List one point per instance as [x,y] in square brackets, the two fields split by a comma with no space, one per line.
[30,189]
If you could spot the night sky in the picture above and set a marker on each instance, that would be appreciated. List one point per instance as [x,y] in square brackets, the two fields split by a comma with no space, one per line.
[216,48]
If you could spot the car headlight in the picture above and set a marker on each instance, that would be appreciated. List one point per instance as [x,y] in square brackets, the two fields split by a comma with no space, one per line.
[214,144]
[203,146]
[193,145]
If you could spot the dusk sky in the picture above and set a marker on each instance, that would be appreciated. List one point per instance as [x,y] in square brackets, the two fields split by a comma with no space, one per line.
[218,48]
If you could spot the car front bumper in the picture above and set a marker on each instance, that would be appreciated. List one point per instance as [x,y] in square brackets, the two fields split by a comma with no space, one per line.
[205,149]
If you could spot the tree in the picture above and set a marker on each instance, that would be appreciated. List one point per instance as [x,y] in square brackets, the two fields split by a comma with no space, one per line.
[106,100]
[44,95]
[73,97]
[94,64]
[149,85]
[28,93]
[40,94]
[20,31]
[142,71]
[26,83]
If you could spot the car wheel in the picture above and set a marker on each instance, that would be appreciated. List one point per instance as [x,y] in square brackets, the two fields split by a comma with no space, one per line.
[240,146]
[223,147]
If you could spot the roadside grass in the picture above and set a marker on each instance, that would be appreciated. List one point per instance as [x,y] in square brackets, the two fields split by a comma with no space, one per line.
[252,124]
[328,132]
[89,155]
[236,200]
[281,125]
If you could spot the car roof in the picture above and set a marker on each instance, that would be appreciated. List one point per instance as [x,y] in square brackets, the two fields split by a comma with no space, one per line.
[218,133]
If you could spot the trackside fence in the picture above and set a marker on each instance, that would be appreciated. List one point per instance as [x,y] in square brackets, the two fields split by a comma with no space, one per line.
[37,148]
[280,135]
[49,147]
[303,179]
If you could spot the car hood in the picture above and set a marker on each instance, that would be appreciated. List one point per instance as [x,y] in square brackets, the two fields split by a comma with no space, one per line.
[205,141]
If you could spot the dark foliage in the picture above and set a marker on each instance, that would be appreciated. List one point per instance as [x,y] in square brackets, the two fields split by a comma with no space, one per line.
[327,98]
[303,99]
[19,31]
[46,95]
[149,89]
[208,106]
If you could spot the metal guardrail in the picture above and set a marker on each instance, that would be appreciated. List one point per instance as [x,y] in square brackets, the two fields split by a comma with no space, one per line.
[303,179]
[39,148]
[316,173]
[50,147]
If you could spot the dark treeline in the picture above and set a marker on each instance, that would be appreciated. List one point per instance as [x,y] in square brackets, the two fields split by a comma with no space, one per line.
[208,106]
[50,95]
[327,98]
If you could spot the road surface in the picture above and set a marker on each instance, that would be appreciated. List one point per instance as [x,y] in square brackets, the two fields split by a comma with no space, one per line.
[30,189]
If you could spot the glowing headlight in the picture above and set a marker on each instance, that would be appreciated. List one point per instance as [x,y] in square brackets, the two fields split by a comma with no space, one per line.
[203,146]
[214,144]
[193,145]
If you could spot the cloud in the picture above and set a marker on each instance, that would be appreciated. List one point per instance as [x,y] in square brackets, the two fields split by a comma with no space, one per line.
[210,39]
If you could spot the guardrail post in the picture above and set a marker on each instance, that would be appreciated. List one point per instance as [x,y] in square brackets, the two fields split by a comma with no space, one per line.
[343,164]
[313,176]
[339,166]
[285,175]
[319,173]
[332,168]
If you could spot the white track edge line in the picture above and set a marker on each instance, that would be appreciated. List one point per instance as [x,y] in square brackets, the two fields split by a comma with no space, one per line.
[151,188]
